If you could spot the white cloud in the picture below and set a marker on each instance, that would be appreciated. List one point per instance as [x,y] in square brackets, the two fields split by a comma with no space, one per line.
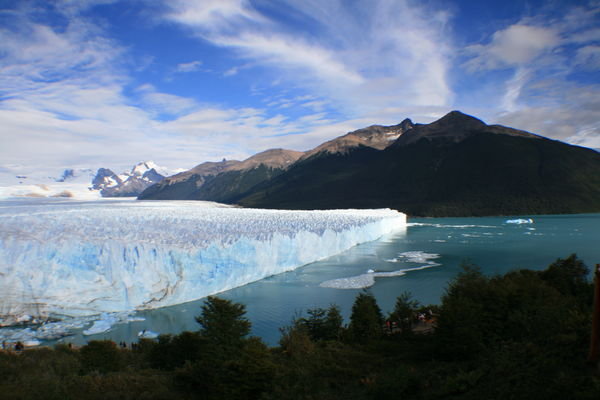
[158,103]
[514,46]
[291,53]
[188,67]
[569,125]
[374,55]
[574,119]
[547,53]
[211,14]
[63,103]
[75,7]
[588,57]
[315,105]
[513,89]
[231,71]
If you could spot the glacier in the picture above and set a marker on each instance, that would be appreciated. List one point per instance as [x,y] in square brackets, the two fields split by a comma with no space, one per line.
[66,258]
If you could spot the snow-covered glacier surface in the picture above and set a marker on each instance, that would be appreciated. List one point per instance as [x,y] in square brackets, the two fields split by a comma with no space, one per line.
[67,258]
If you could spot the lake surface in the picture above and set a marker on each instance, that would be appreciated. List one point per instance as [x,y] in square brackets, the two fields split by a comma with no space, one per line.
[438,246]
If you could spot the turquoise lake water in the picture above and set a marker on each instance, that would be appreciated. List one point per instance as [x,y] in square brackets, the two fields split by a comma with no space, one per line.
[494,244]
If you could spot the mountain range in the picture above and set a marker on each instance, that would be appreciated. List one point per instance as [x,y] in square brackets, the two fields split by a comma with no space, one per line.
[128,184]
[81,183]
[227,181]
[455,166]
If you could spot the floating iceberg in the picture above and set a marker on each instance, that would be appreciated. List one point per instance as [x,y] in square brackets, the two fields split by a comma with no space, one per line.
[359,281]
[102,325]
[367,280]
[69,258]
[519,221]
[147,334]
[418,257]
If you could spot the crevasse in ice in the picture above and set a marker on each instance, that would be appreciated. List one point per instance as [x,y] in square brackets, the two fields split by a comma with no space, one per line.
[66,258]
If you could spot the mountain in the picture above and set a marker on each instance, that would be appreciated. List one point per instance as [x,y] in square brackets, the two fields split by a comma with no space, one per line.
[128,184]
[455,127]
[223,181]
[105,178]
[375,136]
[228,181]
[179,186]
[456,166]
[80,183]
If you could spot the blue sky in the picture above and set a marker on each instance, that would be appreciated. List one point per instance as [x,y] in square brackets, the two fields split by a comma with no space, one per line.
[89,83]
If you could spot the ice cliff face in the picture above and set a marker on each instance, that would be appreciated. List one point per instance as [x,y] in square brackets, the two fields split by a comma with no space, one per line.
[82,258]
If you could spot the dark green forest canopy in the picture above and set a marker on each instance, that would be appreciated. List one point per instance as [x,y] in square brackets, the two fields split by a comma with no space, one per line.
[524,334]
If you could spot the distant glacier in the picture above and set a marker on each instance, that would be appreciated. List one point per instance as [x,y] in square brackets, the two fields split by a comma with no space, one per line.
[67,258]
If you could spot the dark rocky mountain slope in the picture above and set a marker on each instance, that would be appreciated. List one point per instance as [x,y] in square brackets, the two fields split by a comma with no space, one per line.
[376,136]
[456,166]
[225,181]
[179,186]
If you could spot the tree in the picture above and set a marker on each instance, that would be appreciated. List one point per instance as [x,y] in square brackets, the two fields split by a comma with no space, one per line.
[333,323]
[315,323]
[295,340]
[569,276]
[245,374]
[322,324]
[101,355]
[223,322]
[171,352]
[404,312]
[366,321]
[459,331]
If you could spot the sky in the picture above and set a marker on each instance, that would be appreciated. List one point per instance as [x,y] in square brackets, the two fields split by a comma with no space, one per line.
[109,83]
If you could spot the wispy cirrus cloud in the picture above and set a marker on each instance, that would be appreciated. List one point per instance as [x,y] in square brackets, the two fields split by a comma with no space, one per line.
[546,54]
[588,57]
[191,66]
[211,16]
[358,65]
[64,103]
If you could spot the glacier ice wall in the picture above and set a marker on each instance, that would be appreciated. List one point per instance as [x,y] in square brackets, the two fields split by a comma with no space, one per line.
[81,258]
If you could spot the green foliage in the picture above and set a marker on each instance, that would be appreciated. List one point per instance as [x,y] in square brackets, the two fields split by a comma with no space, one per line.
[246,375]
[295,340]
[569,276]
[405,312]
[322,324]
[366,320]
[333,325]
[101,355]
[522,333]
[229,186]
[223,323]
[171,351]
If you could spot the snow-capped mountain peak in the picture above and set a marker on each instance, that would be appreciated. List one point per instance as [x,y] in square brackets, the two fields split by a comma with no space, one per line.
[80,183]
[142,175]
[141,168]
[144,167]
